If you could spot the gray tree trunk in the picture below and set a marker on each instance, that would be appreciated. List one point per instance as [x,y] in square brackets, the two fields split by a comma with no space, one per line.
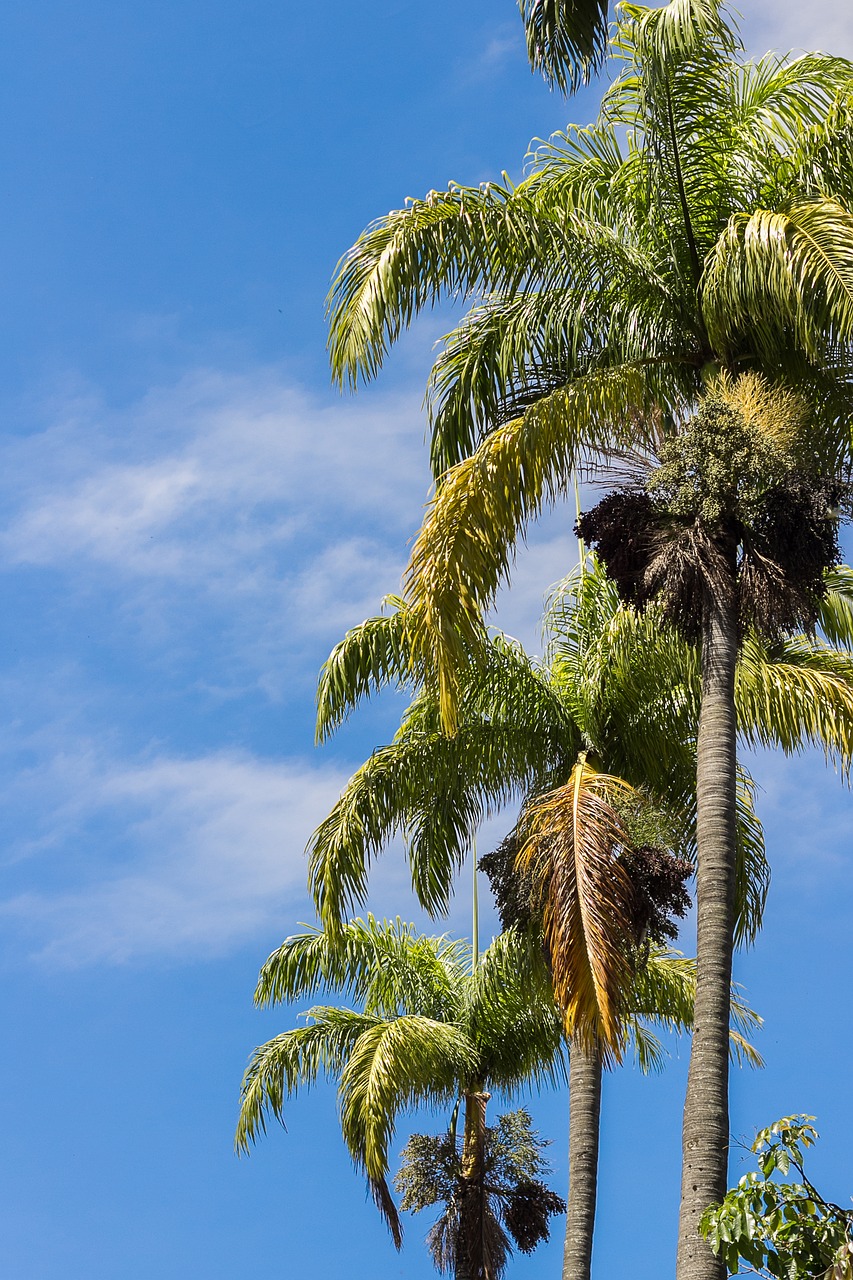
[471,1263]
[584,1119]
[705,1134]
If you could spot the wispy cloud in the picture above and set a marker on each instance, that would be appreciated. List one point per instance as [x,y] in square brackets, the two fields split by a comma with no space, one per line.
[192,856]
[239,500]
[789,24]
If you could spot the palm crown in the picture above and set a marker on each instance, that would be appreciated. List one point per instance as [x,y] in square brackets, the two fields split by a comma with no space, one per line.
[702,222]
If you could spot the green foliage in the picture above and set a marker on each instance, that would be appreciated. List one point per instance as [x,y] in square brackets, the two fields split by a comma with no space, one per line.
[774,1222]
[719,466]
[704,221]
[428,1028]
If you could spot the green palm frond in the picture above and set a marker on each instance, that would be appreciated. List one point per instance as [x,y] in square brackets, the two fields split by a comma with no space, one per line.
[796,693]
[566,39]
[279,1068]
[836,610]
[664,991]
[511,1014]
[772,270]
[673,33]
[384,965]
[460,241]
[370,656]
[431,790]
[397,1063]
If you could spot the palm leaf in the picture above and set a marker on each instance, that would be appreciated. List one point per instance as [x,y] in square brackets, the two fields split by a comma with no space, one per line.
[566,39]
[370,656]
[280,1067]
[467,541]
[394,1064]
[572,837]
[789,268]
[796,693]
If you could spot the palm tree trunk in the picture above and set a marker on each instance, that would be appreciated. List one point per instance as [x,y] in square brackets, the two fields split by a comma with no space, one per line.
[705,1134]
[584,1118]
[471,1262]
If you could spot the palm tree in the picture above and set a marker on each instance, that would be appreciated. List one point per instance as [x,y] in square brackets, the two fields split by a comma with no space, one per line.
[614,284]
[433,1028]
[617,685]
[528,728]
[437,1024]
[516,1204]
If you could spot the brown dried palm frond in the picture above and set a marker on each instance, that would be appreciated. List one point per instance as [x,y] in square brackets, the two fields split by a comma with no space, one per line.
[573,836]
[686,566]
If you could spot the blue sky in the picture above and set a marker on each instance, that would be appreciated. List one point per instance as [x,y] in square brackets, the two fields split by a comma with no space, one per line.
[190,518]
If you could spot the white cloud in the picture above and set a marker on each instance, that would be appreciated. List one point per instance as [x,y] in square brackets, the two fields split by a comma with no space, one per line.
[208,475]
[789,24]
[234,503]
[179,858]
[170,857]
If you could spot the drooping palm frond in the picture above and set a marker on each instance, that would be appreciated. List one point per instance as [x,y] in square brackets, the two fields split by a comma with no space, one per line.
[796,693]
[371,656]
[658,36]
[466,543]
[773,270]
[397,1063]
[664,991]
[516,1018]
[460,241]
[431,790]
[572,836]
[384,965]
[279,1068]
[566,39]
[836,612]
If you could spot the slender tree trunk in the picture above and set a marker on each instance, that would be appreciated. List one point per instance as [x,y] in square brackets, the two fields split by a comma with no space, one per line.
[705,1135]
[584,1117]
[471,1262]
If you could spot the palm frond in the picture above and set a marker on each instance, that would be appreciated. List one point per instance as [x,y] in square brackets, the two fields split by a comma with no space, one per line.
[566,39]
[786,269]
[659,37]
[296,1058]
[467,540]
[370,656]
[386,965]
[572,837]
[836,610]
[796,693]
[455,242]
[394,1064]
[512,1015]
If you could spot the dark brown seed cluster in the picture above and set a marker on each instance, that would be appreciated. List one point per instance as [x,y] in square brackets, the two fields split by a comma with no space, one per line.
[727,513]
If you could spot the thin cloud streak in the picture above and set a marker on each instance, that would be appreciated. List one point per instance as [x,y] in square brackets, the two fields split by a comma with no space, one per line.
[206,854]
[789,24]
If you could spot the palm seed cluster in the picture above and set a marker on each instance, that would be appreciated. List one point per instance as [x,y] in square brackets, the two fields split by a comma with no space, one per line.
[737,505]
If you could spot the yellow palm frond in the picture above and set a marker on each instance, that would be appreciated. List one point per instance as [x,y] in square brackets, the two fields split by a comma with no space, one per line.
[467,541]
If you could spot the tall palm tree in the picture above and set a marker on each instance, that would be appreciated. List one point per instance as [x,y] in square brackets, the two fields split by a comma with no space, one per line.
[617,684]
[438,1025]
[614,284]
[432,1028]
